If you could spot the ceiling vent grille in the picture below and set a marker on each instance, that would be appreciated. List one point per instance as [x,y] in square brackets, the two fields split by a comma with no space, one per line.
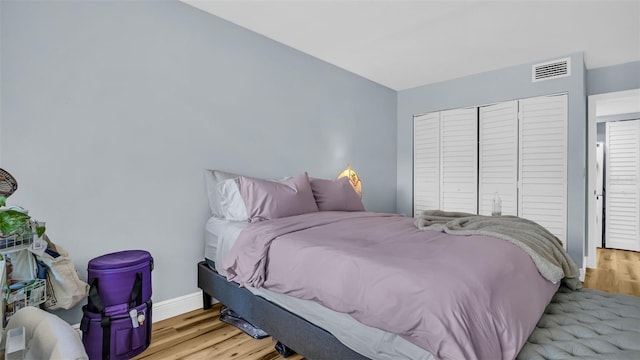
[551,70]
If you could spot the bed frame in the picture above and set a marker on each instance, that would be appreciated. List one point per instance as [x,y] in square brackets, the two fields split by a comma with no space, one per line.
[289,329]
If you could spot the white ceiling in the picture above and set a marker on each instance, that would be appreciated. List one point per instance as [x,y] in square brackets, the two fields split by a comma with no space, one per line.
[404,44]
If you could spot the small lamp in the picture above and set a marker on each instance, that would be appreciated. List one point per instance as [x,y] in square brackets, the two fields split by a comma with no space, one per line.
[354,179]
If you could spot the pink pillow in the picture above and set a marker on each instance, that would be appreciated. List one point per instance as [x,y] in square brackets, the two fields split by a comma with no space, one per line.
[336,195]
[267,200]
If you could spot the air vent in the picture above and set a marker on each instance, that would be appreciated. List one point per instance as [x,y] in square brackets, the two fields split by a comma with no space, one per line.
[551,70]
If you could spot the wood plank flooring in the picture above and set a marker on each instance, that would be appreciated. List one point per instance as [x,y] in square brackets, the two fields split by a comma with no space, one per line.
[200,335]
[618,272]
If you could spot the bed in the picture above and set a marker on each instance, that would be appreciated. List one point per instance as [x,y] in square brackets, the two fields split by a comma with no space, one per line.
[564,325]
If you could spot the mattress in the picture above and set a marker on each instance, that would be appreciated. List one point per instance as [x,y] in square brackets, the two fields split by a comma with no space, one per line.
[368,341]
[216,229]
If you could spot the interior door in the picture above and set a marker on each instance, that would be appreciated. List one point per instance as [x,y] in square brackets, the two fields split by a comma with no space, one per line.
[599,192]
[459,156]
[542,195]
[622,221]
[426,162]
[498,157]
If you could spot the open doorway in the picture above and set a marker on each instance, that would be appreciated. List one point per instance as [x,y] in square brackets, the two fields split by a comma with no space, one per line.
[603,108]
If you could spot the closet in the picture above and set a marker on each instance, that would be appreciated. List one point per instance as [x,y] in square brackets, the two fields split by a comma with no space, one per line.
[518,149]
[445,161]
[622,222]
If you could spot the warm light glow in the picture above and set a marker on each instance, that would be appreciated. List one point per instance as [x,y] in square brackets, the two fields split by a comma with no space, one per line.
[354,179]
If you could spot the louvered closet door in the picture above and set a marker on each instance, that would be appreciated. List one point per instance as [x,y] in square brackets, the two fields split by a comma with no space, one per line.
[426,162]
[622,221]
[459,154]
[498,157]
[543,162]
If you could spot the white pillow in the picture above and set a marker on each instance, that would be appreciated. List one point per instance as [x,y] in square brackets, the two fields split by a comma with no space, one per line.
[231,203]
[212,179]
[224,196]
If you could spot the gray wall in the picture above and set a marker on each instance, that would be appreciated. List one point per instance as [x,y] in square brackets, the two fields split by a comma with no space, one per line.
[496,86]
[613,78]
[111,112]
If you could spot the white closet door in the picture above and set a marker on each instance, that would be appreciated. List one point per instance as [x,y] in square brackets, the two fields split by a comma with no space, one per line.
[543,162]
[459,154]
[498,157]
[622,221]
[426,162]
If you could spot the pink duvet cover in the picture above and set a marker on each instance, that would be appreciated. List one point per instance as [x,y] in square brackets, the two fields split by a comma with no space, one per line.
[458,297]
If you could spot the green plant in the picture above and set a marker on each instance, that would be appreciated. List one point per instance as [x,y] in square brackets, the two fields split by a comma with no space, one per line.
[12,221]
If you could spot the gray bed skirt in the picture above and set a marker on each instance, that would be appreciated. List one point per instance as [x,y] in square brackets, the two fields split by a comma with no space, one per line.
[576,325]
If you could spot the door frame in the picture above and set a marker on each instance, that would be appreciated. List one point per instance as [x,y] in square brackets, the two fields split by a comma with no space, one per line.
[592,241]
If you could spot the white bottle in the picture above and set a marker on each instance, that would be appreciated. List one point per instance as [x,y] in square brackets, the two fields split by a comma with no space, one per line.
[496,210]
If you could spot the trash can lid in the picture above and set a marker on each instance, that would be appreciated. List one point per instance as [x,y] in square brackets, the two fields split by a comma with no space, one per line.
[120,259]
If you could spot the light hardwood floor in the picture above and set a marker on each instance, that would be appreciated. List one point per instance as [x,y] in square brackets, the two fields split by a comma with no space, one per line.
[618,272]
[200,335]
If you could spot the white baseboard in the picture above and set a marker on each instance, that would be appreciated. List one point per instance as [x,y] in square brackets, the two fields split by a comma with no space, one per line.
[177,306]
[583,272]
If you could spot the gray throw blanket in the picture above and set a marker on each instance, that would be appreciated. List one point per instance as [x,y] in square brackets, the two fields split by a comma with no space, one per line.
[544,248]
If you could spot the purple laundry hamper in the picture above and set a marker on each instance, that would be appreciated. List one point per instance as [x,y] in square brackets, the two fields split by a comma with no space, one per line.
[116,322]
